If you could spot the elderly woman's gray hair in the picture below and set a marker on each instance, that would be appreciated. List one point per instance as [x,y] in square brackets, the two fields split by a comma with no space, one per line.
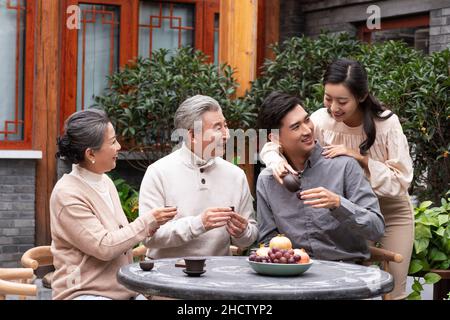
[82,130]
[192,109]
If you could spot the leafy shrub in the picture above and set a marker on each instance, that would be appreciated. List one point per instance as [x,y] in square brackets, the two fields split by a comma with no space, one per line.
[431,243]
[143,97]
[432,236]
[299,66]
[129,197]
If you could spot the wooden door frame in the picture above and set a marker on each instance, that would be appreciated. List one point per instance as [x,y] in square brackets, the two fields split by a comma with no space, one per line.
[128,46]
[211,8]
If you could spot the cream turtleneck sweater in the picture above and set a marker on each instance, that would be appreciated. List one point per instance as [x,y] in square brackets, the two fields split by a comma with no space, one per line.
[98,182]
[192,184]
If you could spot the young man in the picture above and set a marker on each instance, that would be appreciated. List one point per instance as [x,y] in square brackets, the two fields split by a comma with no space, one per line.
[215,207]
[336,211]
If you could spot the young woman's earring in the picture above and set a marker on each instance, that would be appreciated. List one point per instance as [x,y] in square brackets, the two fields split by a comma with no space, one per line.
[93,161]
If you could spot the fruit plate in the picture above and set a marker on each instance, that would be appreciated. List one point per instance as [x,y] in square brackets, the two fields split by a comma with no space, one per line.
[280,269]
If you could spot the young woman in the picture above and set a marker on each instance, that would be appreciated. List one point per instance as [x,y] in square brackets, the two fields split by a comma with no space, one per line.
[91,237]
[355,124]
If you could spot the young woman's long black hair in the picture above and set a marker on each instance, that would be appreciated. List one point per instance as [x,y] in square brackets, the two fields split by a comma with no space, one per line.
[353,76]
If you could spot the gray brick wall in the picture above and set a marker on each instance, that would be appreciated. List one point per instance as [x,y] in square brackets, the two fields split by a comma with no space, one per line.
[292,20]
[310,17]
[17,214]
[439,29]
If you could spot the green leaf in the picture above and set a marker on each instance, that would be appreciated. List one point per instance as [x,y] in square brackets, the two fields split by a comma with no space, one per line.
[414,296]
[423,231]
[440,232]
[415,266]
[442,218]
[436,255]
[428,221]
[417,286]
[425,204]
[431,278]
[420,245]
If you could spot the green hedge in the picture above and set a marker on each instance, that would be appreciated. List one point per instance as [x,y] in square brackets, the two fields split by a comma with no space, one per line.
[143,97]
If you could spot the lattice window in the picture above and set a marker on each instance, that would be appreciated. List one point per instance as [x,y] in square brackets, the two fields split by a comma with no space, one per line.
[165,25]
[98,51]
[12,44]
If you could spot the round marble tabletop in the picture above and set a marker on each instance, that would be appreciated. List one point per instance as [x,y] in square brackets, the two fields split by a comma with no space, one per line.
[233,278]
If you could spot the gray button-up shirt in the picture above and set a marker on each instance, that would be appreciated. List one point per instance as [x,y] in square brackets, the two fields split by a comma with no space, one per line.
[338,234]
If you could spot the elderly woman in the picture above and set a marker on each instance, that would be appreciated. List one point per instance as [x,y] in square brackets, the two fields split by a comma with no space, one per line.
[91,237]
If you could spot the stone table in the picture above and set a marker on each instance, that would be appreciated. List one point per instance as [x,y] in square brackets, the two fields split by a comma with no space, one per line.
[233,278]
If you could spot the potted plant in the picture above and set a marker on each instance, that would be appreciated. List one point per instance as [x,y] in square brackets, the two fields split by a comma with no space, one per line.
[431,254]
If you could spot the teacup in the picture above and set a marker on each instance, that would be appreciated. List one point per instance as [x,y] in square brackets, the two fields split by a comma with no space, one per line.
[195,264]
[146,265]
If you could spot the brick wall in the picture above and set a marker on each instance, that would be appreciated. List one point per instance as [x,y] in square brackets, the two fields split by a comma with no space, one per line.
[17,216]
[439,29]
[310,17]
[292,22]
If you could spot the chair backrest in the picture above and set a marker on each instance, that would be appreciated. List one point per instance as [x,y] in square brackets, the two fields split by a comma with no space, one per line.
[37,257]
[8,287]
[379,254]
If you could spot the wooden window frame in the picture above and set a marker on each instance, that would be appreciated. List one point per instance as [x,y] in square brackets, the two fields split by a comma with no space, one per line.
[28,70]
[422,20]
[128,45]
[204,23]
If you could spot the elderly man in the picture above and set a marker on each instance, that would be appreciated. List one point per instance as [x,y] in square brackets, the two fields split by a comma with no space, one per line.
[336,211]
[215,207]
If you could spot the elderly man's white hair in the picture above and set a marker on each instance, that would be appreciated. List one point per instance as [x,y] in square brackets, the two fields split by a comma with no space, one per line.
[192,109]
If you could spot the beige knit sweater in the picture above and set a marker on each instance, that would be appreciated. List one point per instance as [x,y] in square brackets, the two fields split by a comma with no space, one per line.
[192,184]
[89,241]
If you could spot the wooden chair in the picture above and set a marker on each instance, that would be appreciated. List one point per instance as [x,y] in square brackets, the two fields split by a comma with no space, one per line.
[235,251]
[8,287]
[385,257]
[41,256]
[140,252]
[37,258]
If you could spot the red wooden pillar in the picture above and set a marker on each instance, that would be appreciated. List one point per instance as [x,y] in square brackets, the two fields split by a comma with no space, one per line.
[46,84]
